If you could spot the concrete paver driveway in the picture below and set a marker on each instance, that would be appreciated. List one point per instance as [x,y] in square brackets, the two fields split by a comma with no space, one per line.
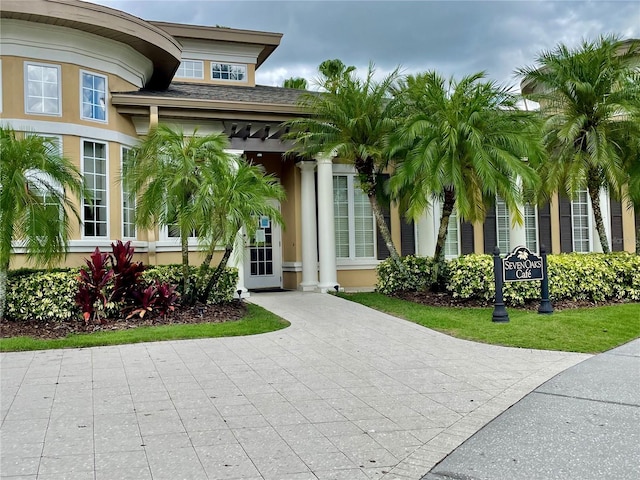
[344,393]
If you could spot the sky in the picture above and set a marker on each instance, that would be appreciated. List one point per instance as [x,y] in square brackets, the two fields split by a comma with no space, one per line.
[453,37]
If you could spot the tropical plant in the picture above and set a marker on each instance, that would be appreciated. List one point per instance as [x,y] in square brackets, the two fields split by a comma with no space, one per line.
[589,98]
[242,196]
[35,205]
[95,287]
[298,83]
[171,175]
[351,120]
[126,273]
[462,142]
[333,72]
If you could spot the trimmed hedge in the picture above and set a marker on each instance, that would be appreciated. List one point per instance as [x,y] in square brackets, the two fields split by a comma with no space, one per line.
[48,296]
[594,277]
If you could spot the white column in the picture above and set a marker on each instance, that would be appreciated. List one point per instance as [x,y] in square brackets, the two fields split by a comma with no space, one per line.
[237,261]
[427,228]
[326,227]
[309,231]
[517,232]
[237,256]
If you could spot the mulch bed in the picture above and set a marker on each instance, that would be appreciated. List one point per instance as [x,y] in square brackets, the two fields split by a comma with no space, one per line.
[221,313]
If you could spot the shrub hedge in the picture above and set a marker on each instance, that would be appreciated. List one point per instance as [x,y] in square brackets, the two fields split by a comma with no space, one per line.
[47,296]
[572,276]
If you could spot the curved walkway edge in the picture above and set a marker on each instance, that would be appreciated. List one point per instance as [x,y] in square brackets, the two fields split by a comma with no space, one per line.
[582,424]
[345,392]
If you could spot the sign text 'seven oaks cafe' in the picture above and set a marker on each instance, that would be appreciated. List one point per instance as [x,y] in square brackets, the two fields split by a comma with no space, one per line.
[522,265]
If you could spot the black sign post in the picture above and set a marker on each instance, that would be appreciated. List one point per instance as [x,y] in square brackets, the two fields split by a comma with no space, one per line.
[500,314]
[545,304]
[521,265]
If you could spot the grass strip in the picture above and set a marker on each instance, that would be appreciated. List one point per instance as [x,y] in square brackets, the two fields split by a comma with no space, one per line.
[257,320]
[586,330]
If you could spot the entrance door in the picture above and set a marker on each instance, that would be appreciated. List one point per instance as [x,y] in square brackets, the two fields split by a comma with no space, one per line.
[263,256]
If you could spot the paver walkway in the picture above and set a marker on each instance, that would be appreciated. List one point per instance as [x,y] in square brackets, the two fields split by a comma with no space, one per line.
[344,393]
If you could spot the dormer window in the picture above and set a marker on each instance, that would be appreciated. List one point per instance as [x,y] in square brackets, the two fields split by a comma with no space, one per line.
[229,71]
[191,69]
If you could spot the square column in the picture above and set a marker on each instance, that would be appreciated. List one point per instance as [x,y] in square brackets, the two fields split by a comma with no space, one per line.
[326,226]
[309,230]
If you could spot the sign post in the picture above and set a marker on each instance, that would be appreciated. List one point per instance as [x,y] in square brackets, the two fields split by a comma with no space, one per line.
[521,265]
[500,314]
[545,304]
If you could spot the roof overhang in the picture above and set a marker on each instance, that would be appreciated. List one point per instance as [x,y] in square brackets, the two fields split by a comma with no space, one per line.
[267,41]
[152,42]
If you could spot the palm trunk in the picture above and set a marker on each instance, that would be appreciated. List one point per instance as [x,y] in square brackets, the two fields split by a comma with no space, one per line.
[594,195]
[3,290]
[215,277]
[438,256]
[184,242]
[384,230]
[447,210]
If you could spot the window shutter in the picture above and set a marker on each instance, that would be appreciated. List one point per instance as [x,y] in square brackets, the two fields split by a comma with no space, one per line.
[544,226]
[566,229]
[466,238]
[490,233]
[407,237]
[617,242]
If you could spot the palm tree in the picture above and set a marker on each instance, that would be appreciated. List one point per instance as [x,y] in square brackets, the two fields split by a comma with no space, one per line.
[168,172]
[351,120]
[584,93]
[298,83]
[242,195]
[35,180]
[462,142]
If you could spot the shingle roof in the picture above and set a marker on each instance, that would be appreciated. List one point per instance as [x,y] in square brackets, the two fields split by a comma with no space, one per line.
[226,93]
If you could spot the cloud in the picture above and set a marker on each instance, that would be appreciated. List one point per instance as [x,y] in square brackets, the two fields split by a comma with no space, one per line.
[453,37]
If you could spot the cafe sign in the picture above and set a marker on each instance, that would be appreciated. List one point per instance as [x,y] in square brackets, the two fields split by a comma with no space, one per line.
[522,265]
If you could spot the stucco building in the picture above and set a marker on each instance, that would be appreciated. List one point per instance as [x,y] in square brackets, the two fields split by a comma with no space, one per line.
[96,79]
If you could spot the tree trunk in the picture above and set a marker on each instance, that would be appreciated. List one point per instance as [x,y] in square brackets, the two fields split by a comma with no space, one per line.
[217,273]
[594,195]
[437,282]
[384,230]
[447,210]
[3,290]
[184,242]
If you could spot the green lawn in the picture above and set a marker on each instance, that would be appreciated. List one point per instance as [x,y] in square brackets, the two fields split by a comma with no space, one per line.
[590,330]
[257,320]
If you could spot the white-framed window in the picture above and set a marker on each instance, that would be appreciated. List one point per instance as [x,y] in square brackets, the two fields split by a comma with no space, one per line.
[353,219]
[229,71]
[452,242]
[95,211]
[503,226]
[41,185]
[93,96]
[42,89]
[128,202]
[581,222]
[191,69]
[531,227]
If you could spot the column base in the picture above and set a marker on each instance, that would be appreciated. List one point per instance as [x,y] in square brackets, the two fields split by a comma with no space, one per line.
[324,288]
[241,293]
[308,287]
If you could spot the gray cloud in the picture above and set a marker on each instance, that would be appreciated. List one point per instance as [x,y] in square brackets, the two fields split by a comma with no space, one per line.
[453,37]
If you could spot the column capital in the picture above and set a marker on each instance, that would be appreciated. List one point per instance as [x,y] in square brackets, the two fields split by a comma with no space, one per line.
[324,159]
[306,165]
[234,151]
